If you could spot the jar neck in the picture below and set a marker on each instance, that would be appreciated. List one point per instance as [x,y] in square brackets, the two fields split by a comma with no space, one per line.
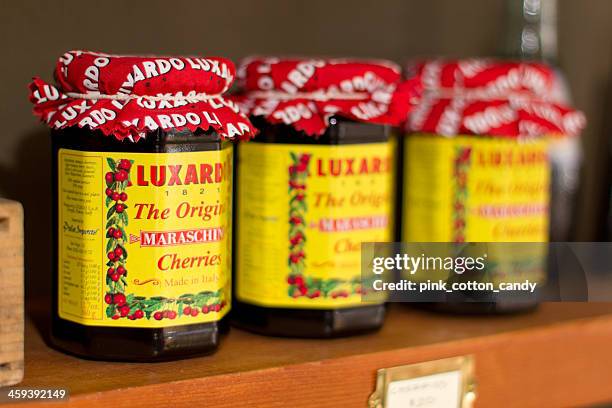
[339,131]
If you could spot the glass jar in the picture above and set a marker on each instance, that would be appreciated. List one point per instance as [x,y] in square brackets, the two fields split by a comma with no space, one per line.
[477,171]
[168,290]
[142,203]
[304,205]
[478,189]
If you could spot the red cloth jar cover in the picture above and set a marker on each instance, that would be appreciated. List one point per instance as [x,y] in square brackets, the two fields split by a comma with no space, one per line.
[128,96]
[306,93]
[489,97]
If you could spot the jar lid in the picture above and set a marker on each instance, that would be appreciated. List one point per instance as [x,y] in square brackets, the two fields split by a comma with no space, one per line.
[129,96]
[306,93]
[491,98]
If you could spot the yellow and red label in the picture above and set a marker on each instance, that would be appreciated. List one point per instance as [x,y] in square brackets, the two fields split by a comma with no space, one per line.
[475,189]
[303,212]
[144,239]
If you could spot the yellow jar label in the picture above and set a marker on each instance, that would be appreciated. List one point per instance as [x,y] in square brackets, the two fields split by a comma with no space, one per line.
[144,238]
[470,189]
[303,212]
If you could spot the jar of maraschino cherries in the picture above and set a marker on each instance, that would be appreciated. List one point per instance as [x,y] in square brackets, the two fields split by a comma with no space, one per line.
[477,170]
[142,192]
[316,182]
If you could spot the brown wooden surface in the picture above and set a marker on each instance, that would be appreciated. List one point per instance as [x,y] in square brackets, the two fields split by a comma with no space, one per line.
[560,355]
[11,292]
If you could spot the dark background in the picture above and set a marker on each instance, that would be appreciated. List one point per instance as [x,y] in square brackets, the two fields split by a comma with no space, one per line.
[34,33]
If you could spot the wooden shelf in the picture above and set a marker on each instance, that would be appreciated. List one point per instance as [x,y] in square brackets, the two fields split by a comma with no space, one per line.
[560,355]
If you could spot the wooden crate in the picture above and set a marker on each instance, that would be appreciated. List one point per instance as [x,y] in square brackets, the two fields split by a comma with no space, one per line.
[11,292]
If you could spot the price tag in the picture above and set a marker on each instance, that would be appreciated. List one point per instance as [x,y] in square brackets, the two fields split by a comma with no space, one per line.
[446,383]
